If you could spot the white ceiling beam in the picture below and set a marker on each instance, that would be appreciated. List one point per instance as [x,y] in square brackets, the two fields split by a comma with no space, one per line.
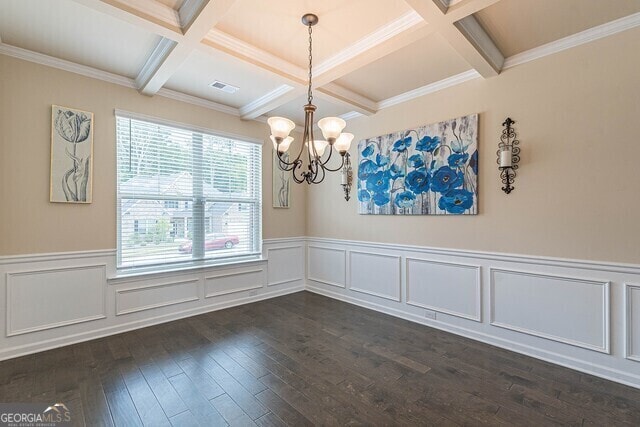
[197,18]
[465,35]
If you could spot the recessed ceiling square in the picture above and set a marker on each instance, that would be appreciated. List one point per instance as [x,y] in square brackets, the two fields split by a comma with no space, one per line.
[519,25]
[275,26]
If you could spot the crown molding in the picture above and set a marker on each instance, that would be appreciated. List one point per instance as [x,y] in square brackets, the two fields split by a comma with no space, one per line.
[430,88]
[350,115]
[583,37]
[105,76]
[379,36]
[61,64]
[200,102]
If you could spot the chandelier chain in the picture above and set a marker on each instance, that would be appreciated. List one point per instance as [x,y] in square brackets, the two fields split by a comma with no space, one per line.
[309,92]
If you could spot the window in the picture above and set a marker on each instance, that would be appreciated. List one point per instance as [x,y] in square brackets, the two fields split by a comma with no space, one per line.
[185,194]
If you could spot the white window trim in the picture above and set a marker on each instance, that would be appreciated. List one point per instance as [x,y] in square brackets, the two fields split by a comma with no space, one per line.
[122,273]
[160,121]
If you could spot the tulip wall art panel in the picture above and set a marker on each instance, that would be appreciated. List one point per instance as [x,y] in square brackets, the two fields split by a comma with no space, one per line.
[430,170]
[281,183]
[71,155]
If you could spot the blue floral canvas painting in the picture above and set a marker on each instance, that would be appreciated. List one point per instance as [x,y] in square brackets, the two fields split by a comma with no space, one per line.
[431,170]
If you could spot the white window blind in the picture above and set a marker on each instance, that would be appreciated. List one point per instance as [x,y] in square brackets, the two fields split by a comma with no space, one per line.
[185,194]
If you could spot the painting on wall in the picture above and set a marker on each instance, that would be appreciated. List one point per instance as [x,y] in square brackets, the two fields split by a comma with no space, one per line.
[71,155]
[281,183]
[430,170]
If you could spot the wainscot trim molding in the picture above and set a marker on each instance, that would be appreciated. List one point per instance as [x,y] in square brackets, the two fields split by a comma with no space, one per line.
[493,256]
[478,295]
[628,317]
[55,256]
[368,292]
[30,348]
[599,347]
[603,348]
[268,250]
[9,291]
[328,282]
[120,292]
[235,290]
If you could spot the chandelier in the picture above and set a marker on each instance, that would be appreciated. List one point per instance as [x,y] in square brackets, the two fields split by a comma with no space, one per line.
[319,152]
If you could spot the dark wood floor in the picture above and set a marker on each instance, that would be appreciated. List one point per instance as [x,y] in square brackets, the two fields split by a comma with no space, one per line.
[303,359]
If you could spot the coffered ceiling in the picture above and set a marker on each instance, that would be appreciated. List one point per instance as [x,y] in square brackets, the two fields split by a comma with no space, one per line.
[368,54]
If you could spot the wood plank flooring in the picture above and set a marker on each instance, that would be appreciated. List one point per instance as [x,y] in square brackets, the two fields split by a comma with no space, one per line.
[304,359]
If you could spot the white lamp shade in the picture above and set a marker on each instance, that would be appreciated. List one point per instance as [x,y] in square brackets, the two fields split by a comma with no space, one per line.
[331,127]
[284,145]
[280,127]
[320,147]
[343,142]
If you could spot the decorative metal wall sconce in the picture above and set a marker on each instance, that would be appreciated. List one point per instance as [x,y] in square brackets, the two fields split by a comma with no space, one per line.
[347,177]
[508,155]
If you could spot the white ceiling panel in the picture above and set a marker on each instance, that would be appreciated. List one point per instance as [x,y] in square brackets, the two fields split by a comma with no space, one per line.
[275,26]
[201,69]
[67,30]
[419,64]
[519,25]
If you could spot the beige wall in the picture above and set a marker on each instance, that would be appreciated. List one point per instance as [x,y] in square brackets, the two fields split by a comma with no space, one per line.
[578,187]
[28,222]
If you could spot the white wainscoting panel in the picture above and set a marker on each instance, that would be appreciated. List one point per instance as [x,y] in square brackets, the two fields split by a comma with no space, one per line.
[565,309]
[327,265]
[445,287]
[286,264]
[227,282]
[146,297]
[632,321]
[62,298]
[49,298]
[375,274]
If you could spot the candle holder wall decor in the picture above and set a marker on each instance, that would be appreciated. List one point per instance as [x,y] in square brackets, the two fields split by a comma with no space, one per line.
[508,155]
[347,177]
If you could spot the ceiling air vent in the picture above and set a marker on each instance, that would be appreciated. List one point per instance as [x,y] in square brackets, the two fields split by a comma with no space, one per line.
[224,87]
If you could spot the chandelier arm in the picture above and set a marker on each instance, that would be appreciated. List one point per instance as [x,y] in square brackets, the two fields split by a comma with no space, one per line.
[330,169]
[320,173]
[298,167]
[285,165]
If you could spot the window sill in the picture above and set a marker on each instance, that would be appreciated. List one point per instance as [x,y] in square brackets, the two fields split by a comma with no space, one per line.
[139,273]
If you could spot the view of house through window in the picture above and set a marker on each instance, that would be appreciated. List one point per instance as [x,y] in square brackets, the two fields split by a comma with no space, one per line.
[185,194]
